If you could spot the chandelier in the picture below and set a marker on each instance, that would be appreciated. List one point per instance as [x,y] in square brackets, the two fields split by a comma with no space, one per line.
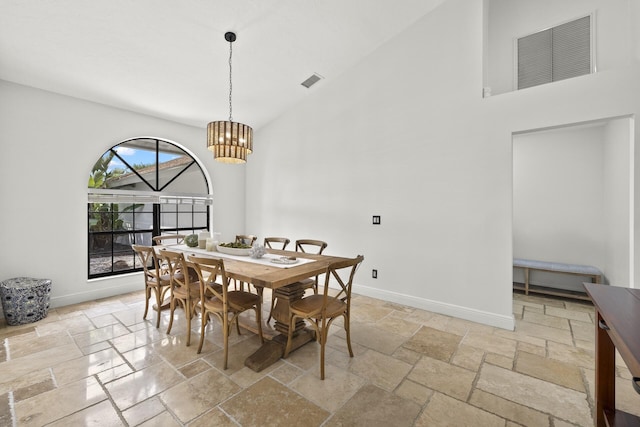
[230,141]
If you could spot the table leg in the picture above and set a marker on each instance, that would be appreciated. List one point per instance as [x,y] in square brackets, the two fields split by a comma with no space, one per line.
[272,351]
[284,297]
[605,373]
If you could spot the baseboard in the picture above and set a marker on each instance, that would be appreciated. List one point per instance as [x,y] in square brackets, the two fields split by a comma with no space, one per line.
[101,288]
[131,283]
[478,316]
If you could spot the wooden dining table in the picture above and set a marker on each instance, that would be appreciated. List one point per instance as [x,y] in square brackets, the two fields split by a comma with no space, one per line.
[284,281]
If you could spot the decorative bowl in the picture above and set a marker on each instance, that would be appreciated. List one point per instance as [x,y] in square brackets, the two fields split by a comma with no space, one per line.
[191,240]
[234,251]
[257,251]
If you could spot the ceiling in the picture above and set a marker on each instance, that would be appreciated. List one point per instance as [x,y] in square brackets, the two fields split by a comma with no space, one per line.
[169,58]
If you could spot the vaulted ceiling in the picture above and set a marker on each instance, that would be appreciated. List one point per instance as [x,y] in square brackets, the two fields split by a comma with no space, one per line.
[168,58]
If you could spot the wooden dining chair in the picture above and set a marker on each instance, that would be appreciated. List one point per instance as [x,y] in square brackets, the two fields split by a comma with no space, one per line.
[305,246]
[216,299]
[310,246]
[169,239]
[269,242]
[322,309]
[247,239]
[155,282]
[185,289]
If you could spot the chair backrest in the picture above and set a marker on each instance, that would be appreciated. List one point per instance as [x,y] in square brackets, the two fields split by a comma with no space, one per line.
[306,245]
[247,239]
[282,240]
[342,273]
[209,270]
[169,239]
[149,260]
[175,262]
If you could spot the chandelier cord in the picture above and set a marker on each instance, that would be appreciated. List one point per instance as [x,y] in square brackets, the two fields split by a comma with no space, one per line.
[230,81]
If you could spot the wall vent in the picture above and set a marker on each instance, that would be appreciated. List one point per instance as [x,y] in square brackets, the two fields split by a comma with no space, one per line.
[315,78]
[556,53]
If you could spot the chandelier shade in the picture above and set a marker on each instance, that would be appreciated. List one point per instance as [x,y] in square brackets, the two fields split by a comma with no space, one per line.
[229,153]
[230,141]
[232,134]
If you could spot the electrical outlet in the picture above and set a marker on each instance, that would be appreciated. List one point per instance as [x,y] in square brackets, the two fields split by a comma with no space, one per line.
[374,274]
[376,219]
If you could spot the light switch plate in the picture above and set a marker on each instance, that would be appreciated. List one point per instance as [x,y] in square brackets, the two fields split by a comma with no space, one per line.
[376,219]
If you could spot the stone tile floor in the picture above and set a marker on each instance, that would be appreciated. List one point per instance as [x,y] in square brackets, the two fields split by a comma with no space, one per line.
[99,363]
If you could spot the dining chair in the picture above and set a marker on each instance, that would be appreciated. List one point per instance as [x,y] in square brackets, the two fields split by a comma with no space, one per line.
[269,241]
[305,246]
[154,281]
[322,309]
[310,246]
[247,239]
[216,299]
[169,239]
[185,289]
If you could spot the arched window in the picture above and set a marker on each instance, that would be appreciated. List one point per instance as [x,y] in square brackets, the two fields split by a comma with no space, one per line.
[138,189]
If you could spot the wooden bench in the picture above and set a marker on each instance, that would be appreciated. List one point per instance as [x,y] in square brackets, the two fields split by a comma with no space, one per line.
[555,267]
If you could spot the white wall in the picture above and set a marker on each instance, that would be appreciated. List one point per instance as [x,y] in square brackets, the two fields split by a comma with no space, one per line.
[512,19]
[404,141]
[618,175]
[49,145]
[406,135]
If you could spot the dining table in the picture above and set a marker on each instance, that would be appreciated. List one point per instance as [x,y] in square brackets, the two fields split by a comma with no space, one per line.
[278,270]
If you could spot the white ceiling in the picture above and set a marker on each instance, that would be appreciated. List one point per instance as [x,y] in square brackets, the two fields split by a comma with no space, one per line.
[168,58]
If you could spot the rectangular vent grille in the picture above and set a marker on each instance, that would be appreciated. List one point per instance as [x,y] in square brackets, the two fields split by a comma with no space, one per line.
[554,54]
[315,78]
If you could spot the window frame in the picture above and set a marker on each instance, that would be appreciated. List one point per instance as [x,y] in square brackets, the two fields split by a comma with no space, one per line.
[186,205]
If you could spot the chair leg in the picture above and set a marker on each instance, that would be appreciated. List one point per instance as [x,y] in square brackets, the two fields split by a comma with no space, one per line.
[158,304]
[347,329]
[237,287]
[173,307]
[322,361]
[259,321]
[188,310]
[273,304]
[323,341]
[147,294]
[225,328]
[205,319]
[287,349]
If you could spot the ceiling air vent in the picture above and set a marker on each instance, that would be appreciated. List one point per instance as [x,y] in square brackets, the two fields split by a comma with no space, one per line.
[315,78]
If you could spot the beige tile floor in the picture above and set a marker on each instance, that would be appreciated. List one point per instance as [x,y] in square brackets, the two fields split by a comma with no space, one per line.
[99,363]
